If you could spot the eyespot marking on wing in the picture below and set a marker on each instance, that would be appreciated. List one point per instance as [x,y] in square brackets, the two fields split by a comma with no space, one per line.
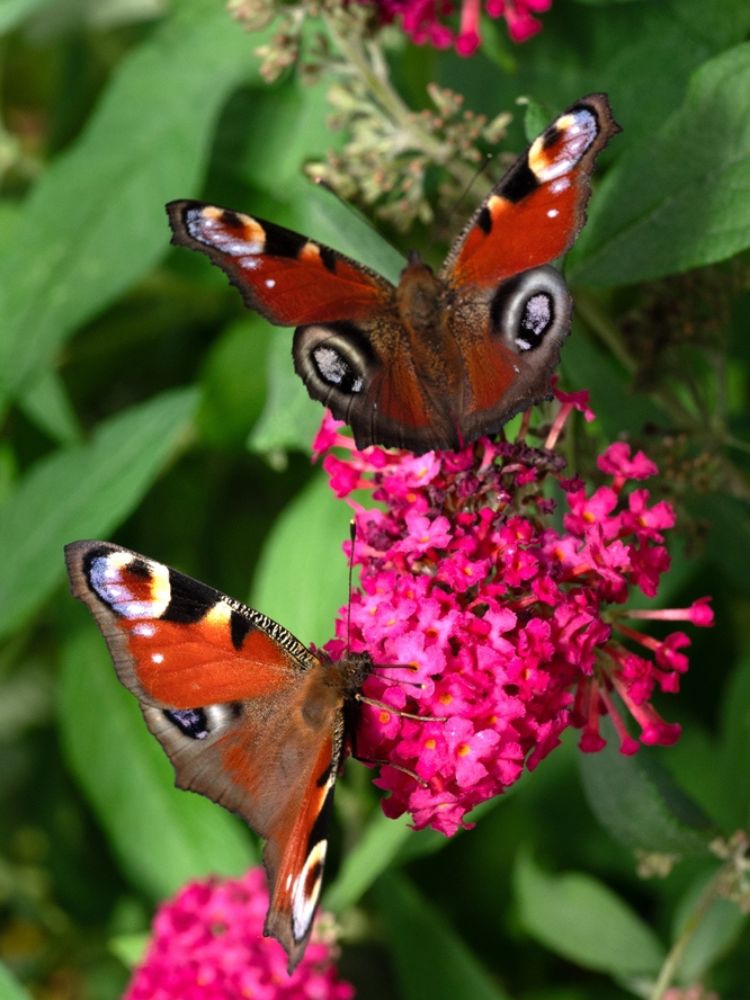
[560,148]
[199,723]
[231,232]
[130,587]
[334,359]
[537,316]
[191,722]
[306,890]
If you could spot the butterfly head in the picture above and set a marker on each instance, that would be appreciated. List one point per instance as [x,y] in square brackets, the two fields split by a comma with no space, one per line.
[348,674]
[419,297]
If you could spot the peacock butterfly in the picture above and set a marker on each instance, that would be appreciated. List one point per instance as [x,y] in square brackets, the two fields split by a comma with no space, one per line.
[248,715]
[440,359]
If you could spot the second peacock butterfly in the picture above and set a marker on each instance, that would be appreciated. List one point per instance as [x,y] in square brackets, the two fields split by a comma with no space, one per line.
[440,359]
[248,715]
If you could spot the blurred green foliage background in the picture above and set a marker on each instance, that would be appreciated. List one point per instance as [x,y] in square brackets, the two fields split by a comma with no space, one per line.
[141,403]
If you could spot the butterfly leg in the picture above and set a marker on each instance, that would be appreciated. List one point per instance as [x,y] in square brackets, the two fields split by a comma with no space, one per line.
[397,711]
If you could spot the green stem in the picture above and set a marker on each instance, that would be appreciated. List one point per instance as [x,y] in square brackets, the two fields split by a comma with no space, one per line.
[599,323]
[667,971]
[373,71]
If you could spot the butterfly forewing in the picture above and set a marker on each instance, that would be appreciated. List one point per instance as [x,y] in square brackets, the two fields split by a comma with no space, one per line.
[536,211]
[286,277]
[247,714]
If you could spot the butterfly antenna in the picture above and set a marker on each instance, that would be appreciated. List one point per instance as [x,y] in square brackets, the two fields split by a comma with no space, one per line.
[352,539]
[472,181]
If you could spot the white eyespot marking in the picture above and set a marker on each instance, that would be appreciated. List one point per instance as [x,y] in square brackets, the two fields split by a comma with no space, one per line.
[560,185]
[537,313]
[334,369]
[552,213]
[210,227]
[270,283]
[306,890]
[115,582]
[157,657]
[535,320]
[145,629]
[577,131]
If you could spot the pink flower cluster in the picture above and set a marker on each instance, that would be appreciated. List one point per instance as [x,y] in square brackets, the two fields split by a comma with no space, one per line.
[208,944]
[493,585]
[424,20]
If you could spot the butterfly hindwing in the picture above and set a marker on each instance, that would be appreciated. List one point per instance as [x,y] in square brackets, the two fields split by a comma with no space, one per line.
[244,711]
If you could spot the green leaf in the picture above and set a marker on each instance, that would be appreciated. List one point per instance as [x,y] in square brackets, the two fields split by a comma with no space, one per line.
[289,418]
[302,575]
[716,932]
[585,365]
[638,803]
[536,119]
[680,200]
[47,404]
[233,381]
[341,226]
[380,843]
[10,988]
[385,841]
[728,542]
[130,948]
[162,836]
[290,127]
[81,492]
[95,223]
[734,763]
[430,959]
[579,918]
[15,12]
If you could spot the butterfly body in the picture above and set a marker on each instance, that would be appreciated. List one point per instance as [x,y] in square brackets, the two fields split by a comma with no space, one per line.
[443,357]
[248,715]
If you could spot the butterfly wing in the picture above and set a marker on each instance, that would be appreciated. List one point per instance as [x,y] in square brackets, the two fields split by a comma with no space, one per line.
[534,214]
[512,310]
[287,278]
[349,346]
[236,702]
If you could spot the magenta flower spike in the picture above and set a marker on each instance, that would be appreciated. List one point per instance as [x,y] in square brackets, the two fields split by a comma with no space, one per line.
[208,944]
[497,584]
[424,20]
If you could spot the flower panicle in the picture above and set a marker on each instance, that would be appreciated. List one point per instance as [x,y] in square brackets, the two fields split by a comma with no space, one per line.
[424,21]
[208,941]
[507,605]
